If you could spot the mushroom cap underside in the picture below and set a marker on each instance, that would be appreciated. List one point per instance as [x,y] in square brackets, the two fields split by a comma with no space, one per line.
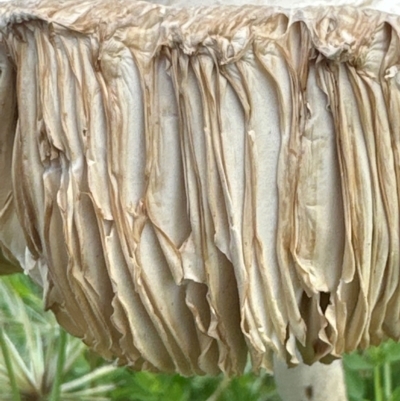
[193,185]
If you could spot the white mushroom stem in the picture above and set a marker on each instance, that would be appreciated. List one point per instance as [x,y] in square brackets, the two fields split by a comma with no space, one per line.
[318,382]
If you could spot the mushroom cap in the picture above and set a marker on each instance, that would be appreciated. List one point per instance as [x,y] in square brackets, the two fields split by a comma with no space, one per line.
[193,185]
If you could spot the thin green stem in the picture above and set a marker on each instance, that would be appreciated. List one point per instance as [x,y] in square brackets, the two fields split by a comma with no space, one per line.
[10,371]
[223,384]
[378,384]
[55,391]
[387,378]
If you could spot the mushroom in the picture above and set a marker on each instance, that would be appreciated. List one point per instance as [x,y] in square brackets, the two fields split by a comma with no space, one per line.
[193,185]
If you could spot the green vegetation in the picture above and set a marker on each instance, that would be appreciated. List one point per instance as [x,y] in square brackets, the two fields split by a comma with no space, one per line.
[40,362]
[374,374]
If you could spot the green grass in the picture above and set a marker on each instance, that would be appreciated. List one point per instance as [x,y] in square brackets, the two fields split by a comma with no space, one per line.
[40,362]
[374,374]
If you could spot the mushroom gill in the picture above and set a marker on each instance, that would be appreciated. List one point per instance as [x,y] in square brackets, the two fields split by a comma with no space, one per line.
[191,185]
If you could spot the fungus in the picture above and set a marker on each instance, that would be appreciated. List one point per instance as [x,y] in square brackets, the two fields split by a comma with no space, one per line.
[193,185]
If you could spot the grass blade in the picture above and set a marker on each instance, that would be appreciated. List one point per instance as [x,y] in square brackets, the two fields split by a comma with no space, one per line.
[56,390]
[387,376]
[378,384]
[7,360]
[89,377]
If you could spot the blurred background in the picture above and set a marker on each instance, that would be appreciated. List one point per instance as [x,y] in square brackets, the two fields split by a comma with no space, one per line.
[40,362]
